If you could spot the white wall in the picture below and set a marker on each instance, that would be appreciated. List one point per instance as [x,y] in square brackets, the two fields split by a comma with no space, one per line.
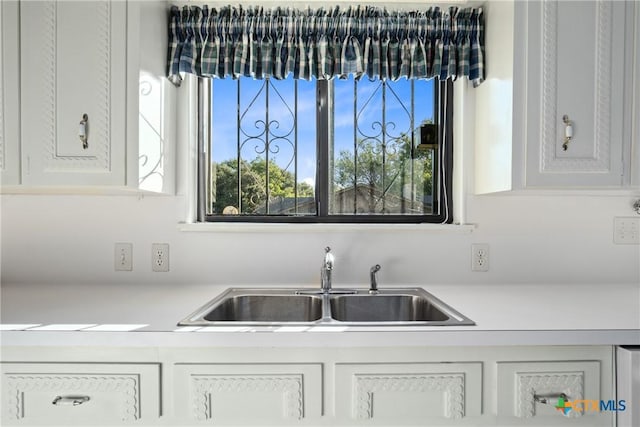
[533,239]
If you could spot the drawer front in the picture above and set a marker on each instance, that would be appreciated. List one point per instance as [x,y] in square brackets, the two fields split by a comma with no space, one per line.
[408,393]
[79,393]
[249,394]
[523,388]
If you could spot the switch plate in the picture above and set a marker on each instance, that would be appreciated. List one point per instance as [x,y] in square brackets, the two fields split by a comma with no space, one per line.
[479,257]
[123,257]
[626,230]
[160,257]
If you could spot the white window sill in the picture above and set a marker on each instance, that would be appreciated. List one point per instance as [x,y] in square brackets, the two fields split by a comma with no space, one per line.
[77,190]
[247,227]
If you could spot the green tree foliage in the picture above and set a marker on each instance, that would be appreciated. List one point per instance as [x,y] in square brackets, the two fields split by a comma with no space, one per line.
[401,163]
[281,182]
[253,178]
[367,169]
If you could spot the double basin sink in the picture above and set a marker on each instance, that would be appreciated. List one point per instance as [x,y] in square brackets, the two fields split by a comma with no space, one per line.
[340,307]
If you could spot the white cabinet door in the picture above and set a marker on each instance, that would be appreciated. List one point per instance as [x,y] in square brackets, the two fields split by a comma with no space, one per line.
[408,393]
[9,94]
[248,394]
[73,62]
[529,392]
[79,393]
[634,92]
[575,68]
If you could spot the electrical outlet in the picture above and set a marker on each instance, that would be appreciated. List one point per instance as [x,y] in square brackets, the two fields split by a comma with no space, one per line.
[160,257]
[626,230]
[480,257]
[123,257]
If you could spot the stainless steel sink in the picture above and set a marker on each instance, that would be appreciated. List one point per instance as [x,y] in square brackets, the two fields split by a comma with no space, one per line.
[267,308]
[340,307]
[385,308]
[257,307]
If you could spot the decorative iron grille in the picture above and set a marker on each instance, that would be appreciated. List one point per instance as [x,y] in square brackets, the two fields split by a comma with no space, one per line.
[391,168]
[321,149]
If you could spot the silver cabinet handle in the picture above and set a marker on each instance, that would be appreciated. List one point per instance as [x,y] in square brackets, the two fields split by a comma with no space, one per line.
[83,131]
[568,132]
[547,398]
[70,400]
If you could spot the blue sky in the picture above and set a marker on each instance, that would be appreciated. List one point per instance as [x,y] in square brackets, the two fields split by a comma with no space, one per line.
[253,100]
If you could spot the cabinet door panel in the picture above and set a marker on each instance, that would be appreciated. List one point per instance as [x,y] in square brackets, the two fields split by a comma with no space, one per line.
[82,79]
[408,393]
[575,68]
[520,382]
[83,393]
[239,394]
[9,94]
[73,57]
[577,78]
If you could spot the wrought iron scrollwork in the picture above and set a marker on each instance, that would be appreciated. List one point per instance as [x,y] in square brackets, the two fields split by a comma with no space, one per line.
[387,137]
[271,135]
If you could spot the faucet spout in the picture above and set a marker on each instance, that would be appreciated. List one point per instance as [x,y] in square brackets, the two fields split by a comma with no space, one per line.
[327,267]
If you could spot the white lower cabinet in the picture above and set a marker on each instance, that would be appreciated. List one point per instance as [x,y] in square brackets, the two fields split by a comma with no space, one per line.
[402,386]
[628,387]
[79,393]
[311,386]
[248,394]
[552,393]
[408,393]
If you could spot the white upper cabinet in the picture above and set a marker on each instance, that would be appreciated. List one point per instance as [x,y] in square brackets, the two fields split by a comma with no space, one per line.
[633,92]
[73,66]
[85,67]
[567,68]
[9,94]
[575,88]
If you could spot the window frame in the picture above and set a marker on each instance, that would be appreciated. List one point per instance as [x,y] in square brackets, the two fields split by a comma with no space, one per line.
[443,101]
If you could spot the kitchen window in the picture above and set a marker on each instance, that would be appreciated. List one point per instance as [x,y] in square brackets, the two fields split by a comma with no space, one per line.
[328,115]
[341,150]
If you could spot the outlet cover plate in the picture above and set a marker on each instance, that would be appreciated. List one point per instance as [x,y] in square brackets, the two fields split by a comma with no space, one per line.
[480,257]
[626,230]
[160,257]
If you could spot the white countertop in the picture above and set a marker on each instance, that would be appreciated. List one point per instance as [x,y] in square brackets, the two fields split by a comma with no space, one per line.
[519,314]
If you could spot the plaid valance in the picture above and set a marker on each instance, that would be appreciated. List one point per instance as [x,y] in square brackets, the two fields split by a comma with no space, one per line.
[258,42]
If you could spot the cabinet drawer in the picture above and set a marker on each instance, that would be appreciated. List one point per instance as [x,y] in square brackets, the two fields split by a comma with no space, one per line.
[521,385]
[249,394]
[408,393]
[79,393]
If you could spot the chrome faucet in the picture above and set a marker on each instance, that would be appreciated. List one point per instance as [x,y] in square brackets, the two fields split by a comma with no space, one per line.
[325,272]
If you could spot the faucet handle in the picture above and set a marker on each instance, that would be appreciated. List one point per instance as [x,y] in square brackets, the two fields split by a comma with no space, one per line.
[373,289]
